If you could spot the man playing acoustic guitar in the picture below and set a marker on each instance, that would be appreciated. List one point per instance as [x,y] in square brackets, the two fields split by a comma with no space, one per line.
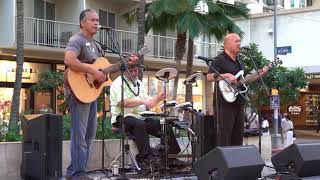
[80,53]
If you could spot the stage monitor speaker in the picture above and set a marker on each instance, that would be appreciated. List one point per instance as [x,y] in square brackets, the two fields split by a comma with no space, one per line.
[205,130]
[42,147]
[230,163]
[301,159]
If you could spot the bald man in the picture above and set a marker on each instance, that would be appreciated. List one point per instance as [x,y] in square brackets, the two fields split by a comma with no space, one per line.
[229,116]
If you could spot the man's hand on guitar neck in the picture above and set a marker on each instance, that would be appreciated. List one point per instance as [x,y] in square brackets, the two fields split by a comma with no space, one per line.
[262,72]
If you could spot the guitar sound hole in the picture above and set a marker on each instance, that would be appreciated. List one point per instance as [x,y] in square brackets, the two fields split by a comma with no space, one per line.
[96,84]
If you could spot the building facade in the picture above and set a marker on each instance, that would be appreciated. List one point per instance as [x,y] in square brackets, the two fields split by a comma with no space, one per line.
[297,29]
[48,26]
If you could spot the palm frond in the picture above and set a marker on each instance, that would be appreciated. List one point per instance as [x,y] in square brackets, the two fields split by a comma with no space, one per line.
[233,10]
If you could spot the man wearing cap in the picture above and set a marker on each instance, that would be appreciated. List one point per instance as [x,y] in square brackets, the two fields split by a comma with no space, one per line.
[136,100]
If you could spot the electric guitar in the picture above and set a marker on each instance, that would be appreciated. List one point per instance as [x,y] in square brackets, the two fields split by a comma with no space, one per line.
[84,88]
[230,94]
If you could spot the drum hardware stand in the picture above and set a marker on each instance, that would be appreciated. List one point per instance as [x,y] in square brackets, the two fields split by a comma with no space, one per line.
[190,80]
[128,156]
[193,136]
[165,75]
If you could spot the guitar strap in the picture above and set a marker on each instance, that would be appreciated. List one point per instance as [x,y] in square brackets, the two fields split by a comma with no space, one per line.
[240,62]
[100,50]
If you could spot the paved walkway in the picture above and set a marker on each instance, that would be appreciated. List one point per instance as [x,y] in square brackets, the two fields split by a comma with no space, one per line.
[267,172]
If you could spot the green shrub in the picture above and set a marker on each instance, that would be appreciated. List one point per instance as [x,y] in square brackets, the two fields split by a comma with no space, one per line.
[108,134]
[66,127]
[9,136]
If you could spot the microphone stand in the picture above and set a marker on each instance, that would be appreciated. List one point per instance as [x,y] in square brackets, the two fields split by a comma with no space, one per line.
[259,103]
[216,91]
[124,68]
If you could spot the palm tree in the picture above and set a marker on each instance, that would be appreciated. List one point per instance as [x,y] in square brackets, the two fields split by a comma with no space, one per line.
[14,112]
[141,30]
[179,15]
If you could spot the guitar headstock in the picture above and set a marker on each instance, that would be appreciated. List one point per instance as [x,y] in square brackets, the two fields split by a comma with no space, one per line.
[143,50]
[275,62]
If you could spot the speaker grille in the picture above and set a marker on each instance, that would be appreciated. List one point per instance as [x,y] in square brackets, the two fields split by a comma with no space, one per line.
[230,163]
[302,159]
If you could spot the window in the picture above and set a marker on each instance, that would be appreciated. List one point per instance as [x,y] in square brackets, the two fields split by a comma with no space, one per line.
[44,10]
[107,19]
[6,100]
[309,2]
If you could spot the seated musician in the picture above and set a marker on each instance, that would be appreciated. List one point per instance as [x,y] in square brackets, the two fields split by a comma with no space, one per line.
[136,100]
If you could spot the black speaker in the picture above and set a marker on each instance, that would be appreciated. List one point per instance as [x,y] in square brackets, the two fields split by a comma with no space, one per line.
[230,163]
[302,159]
[42,147]
[206,136]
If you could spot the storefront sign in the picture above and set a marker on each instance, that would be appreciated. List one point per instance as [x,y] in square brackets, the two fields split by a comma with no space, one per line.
[295,109]
[313,76]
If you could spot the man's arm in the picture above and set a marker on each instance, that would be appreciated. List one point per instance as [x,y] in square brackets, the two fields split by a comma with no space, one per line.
[71,60]
[213,77]
[150,102]
[261,74]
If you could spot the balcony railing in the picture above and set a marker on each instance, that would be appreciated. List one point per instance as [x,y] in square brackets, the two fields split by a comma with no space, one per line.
[47,33]
[55,34]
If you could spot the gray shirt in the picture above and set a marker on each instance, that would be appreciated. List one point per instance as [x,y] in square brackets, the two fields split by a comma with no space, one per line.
[87,50]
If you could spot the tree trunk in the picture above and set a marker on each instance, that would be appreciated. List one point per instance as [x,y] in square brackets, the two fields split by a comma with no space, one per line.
[141,31]
[188,97]
[180,49]
[14,112]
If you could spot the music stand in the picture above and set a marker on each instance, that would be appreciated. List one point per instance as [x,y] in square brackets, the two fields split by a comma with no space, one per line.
[165,75]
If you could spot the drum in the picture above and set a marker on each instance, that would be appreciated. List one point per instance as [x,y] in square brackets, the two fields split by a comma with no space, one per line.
[150,114]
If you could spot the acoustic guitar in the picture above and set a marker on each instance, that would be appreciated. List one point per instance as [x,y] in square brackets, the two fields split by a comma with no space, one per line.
[84,88]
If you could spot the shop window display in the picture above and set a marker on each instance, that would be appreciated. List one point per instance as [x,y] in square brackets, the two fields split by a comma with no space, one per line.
[312,109]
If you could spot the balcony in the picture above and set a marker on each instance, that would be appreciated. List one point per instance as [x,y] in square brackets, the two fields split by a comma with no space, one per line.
[40,33]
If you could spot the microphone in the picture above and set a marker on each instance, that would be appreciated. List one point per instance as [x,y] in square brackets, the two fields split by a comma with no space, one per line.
[142,67]
[206,59]
[102,28]
[245,47]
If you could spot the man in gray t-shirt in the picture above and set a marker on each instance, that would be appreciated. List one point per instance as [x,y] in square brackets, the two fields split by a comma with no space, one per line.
[80,52]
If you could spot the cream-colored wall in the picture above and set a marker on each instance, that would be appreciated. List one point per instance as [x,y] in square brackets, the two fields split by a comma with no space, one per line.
[316,3]
[103,5]
[29,8]
[68,11]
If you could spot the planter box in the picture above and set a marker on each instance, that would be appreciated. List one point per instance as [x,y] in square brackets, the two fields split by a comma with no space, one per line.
[11,155]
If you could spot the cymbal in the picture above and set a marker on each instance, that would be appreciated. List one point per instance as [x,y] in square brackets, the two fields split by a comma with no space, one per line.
[193,78]
[183,105]
[169,104]
[166,74]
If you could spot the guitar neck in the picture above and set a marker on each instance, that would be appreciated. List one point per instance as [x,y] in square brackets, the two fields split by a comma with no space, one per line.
[116,67]
[112,68]
[249,77]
